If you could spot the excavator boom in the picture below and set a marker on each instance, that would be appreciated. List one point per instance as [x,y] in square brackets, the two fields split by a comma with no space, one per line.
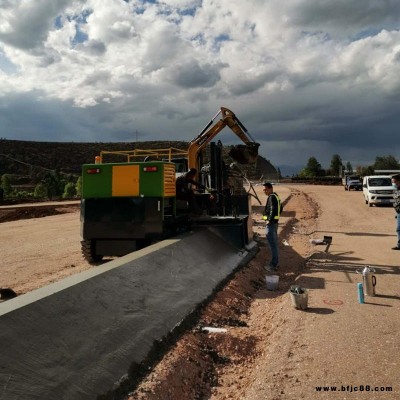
[244,154]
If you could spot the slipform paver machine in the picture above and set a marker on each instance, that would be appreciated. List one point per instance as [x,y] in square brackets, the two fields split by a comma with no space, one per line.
[127,205]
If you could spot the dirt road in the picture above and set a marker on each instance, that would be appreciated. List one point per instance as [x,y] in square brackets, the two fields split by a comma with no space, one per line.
[270,350]
[38,251]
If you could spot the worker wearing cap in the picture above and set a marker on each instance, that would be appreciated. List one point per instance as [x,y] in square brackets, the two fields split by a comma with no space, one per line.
[396,205]
[272,213]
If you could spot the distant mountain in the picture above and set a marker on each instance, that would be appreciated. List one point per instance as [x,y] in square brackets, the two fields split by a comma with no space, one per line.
[27,158]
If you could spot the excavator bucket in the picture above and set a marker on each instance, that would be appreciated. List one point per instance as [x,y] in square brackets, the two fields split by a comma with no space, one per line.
[245,153]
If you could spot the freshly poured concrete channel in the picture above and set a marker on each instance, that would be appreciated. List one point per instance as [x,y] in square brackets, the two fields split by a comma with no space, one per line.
[82,337]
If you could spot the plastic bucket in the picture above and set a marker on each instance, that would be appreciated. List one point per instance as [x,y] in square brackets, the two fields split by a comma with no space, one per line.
[272,282]
[299,300]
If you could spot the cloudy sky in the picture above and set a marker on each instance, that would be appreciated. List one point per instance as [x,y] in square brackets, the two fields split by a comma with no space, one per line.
[306,77]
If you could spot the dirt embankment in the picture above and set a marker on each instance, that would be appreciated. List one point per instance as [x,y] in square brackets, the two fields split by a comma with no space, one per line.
[27,212]
[205,365]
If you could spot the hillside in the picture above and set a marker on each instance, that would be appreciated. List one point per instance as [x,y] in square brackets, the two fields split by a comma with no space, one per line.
[26,158]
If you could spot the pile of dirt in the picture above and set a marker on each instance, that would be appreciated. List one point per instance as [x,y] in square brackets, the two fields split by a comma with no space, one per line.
[15,214]
[192,368]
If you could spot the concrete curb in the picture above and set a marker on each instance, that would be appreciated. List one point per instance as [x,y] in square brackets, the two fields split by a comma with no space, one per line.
[90,335]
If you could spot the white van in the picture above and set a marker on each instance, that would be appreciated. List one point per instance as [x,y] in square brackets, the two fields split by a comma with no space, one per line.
[378,189]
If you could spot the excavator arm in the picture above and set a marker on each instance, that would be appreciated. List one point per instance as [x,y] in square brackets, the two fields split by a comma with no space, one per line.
[244,154]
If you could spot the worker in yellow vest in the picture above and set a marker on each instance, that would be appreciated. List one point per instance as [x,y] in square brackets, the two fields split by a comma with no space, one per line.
[272,212]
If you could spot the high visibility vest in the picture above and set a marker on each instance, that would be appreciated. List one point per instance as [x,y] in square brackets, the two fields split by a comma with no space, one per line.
[277,216]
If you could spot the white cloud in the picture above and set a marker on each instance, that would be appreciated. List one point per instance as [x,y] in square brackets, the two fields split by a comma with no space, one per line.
[24,24]
[295,72]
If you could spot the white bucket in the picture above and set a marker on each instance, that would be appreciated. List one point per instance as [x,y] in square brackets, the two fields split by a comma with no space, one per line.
[272,281]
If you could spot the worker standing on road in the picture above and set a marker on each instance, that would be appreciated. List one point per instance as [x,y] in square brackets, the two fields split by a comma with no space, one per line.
[184,190]
[272,213]
[396,205]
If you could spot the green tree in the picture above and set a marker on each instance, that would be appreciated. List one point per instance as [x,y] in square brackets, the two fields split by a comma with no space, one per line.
[23,194]
[365,171]
[387,162]
[336,165]
[313,168]
[69,191]
[6,184]
[54,184]
[78,186]
[349,167]
[40,191]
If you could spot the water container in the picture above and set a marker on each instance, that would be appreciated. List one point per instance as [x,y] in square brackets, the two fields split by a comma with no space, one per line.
[369,280]
[360,293]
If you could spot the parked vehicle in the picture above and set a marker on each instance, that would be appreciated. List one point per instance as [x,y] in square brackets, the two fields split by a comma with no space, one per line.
[352,182]
[378,189]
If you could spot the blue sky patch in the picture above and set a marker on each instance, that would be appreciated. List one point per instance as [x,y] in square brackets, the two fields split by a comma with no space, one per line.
[79,18]
[222,38]
[188,11]
[58,22]
[6,65]
[80,36]
[366,33]
[82,18]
